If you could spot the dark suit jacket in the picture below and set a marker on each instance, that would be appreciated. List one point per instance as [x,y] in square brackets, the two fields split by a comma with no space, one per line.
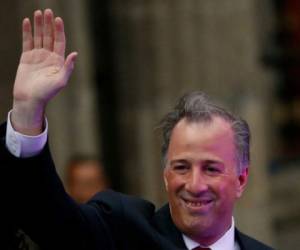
[39,205]
[8,237]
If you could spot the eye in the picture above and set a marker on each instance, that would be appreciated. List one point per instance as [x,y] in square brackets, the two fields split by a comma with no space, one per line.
[180,168]
[212,169]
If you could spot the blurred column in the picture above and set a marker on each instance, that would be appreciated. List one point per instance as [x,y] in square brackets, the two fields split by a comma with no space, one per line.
[10,48]
[72,114]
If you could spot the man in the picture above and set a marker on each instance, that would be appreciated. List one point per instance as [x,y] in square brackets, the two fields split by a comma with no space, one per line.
[206,153]
[85,177]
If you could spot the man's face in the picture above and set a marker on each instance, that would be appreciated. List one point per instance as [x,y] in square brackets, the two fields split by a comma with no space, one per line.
[201,178]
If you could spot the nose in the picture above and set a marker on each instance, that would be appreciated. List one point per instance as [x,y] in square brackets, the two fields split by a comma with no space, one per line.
[196,182]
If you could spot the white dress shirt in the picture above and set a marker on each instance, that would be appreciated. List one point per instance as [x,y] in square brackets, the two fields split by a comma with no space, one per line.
[226,242]
[23,145]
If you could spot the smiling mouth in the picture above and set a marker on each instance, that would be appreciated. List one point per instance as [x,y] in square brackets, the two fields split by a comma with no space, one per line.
[198,206]
[197,203]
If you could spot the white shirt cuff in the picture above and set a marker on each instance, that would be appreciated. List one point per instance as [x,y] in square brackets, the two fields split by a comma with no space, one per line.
[23,146]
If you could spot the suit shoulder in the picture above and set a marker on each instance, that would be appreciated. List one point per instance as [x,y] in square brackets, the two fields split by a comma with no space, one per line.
[110,213]
[247,242]
[117,203]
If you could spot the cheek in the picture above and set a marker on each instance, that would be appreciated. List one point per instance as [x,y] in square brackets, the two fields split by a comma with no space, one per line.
[173,182]
[228,189]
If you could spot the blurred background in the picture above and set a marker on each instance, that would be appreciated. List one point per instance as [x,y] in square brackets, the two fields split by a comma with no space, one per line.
[136,57]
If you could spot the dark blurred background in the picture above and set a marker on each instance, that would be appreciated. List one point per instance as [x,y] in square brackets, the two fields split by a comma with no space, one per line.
[136,57]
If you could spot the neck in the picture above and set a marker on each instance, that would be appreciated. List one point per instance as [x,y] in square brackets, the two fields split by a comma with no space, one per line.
[211,239]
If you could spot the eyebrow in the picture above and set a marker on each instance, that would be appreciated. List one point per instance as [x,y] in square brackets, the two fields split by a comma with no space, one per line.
[178,161]
[183,161]
[212,161]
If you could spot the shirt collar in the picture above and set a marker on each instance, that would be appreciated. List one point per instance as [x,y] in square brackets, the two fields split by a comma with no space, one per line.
[226,242]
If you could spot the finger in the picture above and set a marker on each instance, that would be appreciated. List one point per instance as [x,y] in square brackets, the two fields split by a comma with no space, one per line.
[69,64]
[38,29]
[27,43]
[68,68]
[70,60]
[59,37]
[48,30]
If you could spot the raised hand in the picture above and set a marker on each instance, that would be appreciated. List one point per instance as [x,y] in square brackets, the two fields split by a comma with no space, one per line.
[43,70]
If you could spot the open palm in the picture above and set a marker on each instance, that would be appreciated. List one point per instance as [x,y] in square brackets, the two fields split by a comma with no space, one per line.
[43,70]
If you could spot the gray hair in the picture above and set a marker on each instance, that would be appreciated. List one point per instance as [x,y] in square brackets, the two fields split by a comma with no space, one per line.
[197,107]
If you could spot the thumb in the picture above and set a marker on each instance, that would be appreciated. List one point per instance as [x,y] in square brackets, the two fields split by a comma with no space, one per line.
[68,66]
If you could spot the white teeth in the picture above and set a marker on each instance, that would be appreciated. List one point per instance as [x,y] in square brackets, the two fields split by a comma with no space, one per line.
[197,204]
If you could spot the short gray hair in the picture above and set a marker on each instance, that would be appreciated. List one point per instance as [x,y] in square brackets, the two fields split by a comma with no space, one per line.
[197,107]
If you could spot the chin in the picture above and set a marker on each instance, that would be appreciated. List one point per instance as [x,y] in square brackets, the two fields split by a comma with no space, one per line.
[195,225]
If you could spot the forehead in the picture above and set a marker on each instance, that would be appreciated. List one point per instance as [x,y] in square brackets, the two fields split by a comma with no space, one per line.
[213,137]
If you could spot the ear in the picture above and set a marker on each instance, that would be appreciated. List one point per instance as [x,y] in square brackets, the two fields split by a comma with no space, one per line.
[242,182]
[165,178]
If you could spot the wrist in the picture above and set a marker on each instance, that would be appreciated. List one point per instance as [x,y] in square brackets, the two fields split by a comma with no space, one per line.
[27,118]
